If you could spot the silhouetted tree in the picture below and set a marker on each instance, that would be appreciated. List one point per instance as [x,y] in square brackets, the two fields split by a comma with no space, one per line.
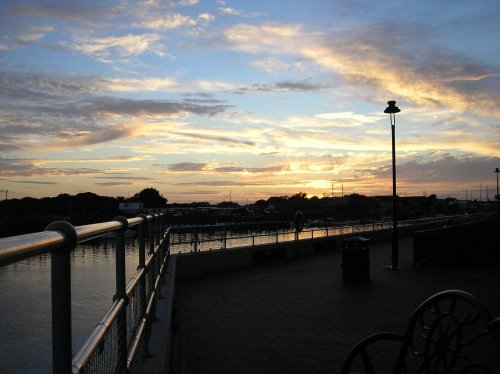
[151,198]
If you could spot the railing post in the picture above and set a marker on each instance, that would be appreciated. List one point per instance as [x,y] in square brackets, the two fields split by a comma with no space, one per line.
[121,321]
[61,297]
[157,228]
[151,270]
[142,264]
[151,238]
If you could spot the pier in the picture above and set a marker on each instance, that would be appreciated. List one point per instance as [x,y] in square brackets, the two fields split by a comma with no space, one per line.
[278,306]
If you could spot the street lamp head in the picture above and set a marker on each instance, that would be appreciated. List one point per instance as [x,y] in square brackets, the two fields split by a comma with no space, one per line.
[497,170]
[392,108]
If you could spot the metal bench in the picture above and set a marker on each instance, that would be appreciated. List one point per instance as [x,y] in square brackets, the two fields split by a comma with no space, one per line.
[451,332]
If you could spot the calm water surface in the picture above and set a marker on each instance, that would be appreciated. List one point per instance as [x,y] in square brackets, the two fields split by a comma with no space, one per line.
[25,303]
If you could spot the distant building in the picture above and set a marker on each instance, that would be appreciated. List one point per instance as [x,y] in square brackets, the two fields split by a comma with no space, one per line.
[131,208]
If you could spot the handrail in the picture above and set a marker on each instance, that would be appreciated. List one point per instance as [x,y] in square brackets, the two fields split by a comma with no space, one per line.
[196,241]
[136,299]
[97,336]
[15,248]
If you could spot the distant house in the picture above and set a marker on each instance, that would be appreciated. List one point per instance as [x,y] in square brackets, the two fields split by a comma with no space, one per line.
[131,208]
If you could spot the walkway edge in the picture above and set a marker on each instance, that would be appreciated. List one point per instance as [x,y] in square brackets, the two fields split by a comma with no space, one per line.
[160,341]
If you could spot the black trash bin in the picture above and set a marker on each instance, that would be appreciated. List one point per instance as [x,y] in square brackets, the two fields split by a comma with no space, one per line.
[356,259]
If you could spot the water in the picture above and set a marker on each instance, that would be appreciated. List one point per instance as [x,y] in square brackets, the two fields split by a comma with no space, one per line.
[25,303]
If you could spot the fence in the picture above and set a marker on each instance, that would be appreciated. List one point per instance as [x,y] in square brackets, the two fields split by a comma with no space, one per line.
[119,341]
[199,240]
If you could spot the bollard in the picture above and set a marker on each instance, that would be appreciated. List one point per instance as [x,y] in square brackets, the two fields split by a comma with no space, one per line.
[61,297]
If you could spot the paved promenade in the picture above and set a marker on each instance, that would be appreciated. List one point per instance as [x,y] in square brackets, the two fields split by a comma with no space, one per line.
[299,316]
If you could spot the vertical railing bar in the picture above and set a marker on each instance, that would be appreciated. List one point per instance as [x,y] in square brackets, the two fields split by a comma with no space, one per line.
[151,235]
[157,228]
[61,297]
[142,264]
[121,320]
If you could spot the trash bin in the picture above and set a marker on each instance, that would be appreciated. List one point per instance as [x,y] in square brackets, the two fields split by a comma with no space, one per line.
[356,259]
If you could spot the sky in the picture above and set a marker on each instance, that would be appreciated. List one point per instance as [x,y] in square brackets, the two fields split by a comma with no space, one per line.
[211,100]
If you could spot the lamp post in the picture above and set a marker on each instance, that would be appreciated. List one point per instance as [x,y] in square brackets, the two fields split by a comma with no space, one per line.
[497,196]
[392,109]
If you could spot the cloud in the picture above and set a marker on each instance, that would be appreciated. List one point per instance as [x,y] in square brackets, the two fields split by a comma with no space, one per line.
[304,86]
[385,65]
[221,139]
[126,45]
[71,11]
[188,166]
[64,111]
[94,160]
[348,119]
[135,85]
[254,170]
[223,169]
[193,192]
[127,177]
[168,21]
[113,184]
[238,13]
[111,105]
[31,182]
[24,35]
[27,168]
[469,170]
[225,183]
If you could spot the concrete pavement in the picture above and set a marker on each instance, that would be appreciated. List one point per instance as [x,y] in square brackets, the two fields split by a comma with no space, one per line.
[298,316]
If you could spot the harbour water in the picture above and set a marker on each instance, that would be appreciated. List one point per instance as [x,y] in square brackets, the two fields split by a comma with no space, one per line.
[25,303]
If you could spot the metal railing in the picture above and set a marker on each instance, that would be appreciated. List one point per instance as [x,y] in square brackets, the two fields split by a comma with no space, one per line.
[118,344]
[196,240]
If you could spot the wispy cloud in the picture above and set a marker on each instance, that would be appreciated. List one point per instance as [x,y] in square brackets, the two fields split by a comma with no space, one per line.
[126,45]
[299,86]
[32,182]
[187,166]
[168,21]
[20,167]
[68,112]
[238,13]
[113,184]
[221,139]
[388,71]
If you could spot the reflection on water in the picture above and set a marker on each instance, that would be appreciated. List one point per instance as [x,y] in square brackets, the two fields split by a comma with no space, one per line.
[25,304]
